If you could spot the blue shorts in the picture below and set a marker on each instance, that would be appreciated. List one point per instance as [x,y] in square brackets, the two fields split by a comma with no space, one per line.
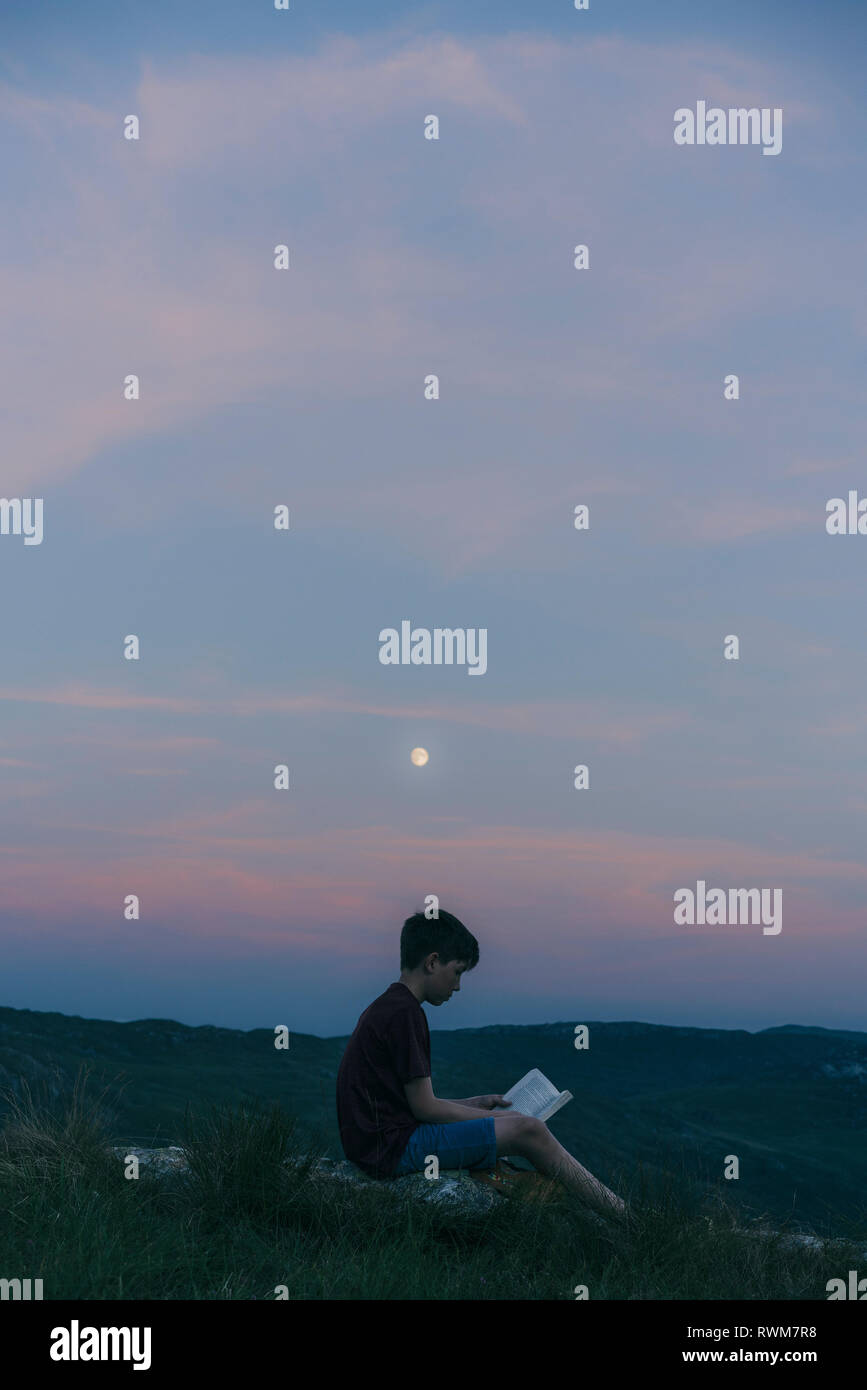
[462,1144]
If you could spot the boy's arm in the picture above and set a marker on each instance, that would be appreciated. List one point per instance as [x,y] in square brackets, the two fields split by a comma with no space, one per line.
[483,1102]
[430,1111]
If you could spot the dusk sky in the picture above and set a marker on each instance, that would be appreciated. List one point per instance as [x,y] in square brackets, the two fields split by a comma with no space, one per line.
[558,387]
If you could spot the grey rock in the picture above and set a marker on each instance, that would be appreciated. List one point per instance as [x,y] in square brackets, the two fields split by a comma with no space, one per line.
[802,1240]
[159,1161]
[453,1189]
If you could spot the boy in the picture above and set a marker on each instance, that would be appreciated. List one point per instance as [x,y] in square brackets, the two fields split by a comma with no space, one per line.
[391,1121]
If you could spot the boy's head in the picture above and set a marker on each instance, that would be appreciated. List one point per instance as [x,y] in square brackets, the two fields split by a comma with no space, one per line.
[436,952]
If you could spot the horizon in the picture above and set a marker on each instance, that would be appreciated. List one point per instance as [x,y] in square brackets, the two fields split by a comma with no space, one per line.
[471,1028]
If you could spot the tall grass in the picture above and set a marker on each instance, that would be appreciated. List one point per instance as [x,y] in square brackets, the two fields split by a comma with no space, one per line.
[249,1216]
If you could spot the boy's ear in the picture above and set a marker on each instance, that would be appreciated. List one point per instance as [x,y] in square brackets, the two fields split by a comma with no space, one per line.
[429,960]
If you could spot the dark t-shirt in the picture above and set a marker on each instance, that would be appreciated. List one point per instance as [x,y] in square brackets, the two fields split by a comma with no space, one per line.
[390,1046]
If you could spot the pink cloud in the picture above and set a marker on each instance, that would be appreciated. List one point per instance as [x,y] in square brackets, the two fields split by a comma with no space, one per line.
[734,518]
[612,722]
[580,885]
[90,697]
[213,321]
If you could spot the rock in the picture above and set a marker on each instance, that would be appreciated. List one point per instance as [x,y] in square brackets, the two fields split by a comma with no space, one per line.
[453,1189]
[802,1240]
[170,1160]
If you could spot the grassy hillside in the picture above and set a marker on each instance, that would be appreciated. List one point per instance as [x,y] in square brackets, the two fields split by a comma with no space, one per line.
[249,1220]
[650,1102]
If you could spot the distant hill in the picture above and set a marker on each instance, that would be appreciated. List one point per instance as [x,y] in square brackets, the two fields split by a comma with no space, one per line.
[790,1102]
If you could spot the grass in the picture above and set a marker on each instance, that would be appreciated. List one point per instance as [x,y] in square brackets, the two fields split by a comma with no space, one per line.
[246,1218]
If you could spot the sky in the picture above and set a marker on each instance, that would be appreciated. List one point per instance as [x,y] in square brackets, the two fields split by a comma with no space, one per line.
[558,387]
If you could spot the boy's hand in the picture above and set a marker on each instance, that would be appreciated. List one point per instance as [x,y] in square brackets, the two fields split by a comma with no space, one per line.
[488,1102]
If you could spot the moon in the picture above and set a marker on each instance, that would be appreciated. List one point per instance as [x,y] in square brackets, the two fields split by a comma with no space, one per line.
[419,756]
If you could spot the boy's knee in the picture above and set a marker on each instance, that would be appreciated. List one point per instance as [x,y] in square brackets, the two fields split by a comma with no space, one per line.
[529,1130]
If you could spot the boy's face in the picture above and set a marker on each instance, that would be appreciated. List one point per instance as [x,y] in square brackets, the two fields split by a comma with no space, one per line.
[443,980]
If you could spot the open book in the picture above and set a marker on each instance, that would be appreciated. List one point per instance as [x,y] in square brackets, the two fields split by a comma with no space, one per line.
[534,1095]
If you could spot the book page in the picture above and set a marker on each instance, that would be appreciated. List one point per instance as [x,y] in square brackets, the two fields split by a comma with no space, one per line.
[532,1094]
[551,1110]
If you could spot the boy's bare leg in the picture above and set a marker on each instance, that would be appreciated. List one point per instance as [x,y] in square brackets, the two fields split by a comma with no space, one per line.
[533,1140]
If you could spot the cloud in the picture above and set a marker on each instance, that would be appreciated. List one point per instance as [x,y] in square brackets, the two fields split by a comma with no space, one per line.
[160,277]
[90,697]
[734,518]
[155,771]
[619,723]
[212,111]
[581,885]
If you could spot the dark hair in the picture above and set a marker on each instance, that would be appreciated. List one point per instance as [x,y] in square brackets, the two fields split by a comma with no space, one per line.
[444,934]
